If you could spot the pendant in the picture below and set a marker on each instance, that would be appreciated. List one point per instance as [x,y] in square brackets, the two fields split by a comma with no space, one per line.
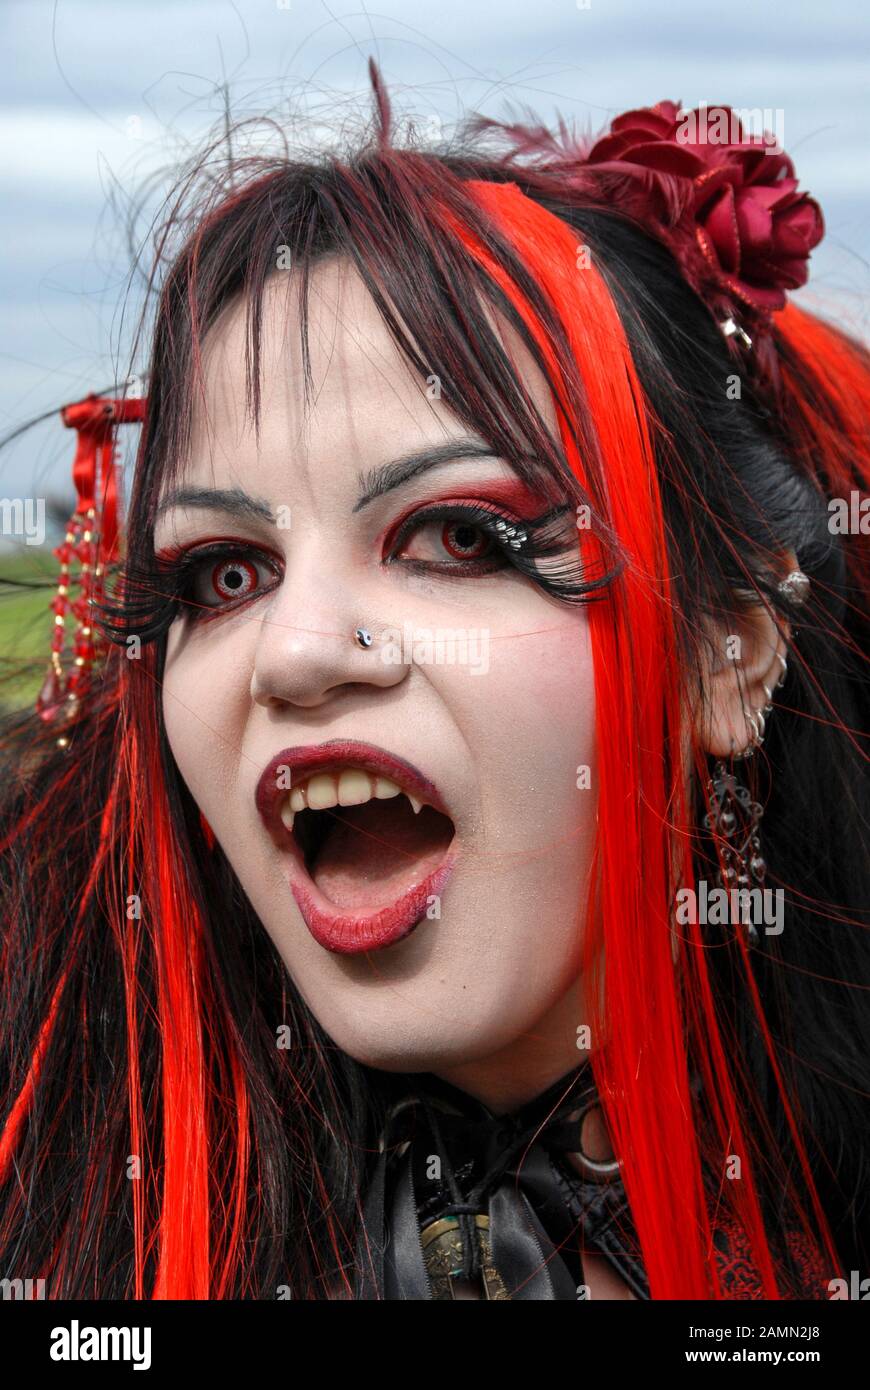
[734,819]
[442,1252]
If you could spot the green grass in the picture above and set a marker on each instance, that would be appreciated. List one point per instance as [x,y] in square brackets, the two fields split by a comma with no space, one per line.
[26,624]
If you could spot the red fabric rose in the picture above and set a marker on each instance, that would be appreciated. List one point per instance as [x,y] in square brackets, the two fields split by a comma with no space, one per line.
[732,203]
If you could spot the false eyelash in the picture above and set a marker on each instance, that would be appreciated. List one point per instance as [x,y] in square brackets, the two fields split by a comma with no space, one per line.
[150,595]
[548,536]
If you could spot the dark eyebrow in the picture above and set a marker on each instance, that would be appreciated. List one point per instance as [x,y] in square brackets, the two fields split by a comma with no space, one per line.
[374,483]
[378,481]
[231,500]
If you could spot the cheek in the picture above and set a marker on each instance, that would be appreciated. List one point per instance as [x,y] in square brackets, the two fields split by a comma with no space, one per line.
[206,697]
[528,725]
[532,726]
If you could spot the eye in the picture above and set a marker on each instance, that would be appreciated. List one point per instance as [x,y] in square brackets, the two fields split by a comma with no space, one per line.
[456,539]
[459,540]
[217,581]
[234,578]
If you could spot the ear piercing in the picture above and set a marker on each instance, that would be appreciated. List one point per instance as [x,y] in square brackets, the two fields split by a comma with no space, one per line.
[757,718]
[756,737]
[734,817]
[795,588]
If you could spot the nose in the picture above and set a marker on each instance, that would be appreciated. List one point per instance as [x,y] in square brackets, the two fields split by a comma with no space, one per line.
[306,661]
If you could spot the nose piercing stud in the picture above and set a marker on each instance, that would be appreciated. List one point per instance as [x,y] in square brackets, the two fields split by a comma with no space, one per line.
[363,637]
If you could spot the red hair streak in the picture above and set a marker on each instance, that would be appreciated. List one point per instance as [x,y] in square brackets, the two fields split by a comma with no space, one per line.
[641,1016]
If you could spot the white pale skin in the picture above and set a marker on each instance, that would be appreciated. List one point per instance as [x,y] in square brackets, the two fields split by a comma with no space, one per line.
[490,996]
[487,997]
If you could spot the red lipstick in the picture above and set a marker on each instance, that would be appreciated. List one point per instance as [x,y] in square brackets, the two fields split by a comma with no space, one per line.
[350,930]
[350,933]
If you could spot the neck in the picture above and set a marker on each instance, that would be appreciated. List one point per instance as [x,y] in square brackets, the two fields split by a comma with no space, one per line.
[504,1088]
[516,1074]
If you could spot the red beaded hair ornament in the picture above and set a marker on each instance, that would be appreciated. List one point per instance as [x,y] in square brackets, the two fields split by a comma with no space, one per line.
[91,540]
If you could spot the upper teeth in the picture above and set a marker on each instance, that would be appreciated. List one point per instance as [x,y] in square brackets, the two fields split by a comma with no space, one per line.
[352,787]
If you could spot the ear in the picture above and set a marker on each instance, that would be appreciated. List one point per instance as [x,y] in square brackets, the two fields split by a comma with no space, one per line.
[744,665]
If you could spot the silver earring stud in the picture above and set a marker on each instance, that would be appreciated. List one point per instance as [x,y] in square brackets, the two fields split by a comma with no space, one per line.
[730,329]
[795,587]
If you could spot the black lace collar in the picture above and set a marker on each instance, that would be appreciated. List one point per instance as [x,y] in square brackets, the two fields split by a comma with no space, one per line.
[461,1194]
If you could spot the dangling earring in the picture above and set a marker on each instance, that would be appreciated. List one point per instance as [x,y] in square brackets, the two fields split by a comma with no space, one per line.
[733,821]
[734,817]
[92,543]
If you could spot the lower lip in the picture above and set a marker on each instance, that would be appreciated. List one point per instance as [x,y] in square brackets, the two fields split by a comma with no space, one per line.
[349,934]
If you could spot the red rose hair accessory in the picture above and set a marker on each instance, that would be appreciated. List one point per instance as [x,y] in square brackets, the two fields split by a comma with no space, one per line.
[92,540]
[727,205]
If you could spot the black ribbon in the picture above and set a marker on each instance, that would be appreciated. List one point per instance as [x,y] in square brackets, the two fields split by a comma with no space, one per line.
[510,1168]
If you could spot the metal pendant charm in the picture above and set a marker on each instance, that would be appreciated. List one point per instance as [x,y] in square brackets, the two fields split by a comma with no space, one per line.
[733,821]
[442,1253]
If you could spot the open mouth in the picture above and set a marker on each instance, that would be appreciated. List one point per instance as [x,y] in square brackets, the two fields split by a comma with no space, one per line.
[368,857]
[367,840]
[365,857]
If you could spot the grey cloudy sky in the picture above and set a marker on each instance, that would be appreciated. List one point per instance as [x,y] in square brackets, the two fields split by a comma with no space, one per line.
[97,93]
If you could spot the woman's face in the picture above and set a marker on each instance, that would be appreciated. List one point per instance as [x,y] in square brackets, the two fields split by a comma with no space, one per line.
[488,720]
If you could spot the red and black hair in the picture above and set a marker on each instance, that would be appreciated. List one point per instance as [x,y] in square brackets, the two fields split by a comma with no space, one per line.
[154,1141]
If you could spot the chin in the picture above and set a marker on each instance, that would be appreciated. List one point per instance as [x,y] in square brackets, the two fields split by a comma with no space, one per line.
[400,1050]
[403,1045]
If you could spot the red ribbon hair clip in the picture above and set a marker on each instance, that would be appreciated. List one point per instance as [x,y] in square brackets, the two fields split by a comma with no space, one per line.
[91,541]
